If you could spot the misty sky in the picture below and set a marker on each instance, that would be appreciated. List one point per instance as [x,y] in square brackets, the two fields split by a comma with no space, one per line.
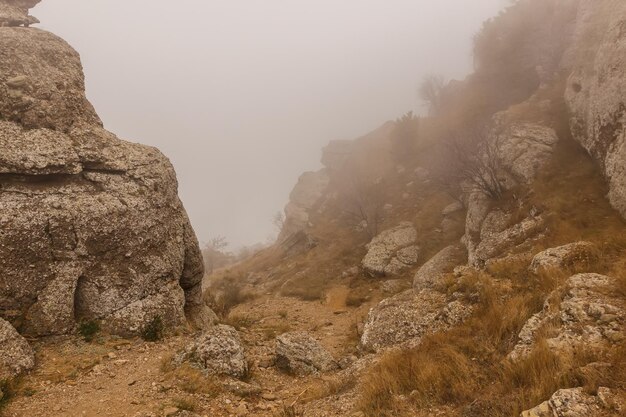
[242,94]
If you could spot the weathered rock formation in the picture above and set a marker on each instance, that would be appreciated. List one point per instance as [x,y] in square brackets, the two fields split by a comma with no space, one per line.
[392,251]
[442,263]
[570,255]
[298,353]
[596,89]
[575,402]
[405,318]
[91,227]
[219,351]
[586,316]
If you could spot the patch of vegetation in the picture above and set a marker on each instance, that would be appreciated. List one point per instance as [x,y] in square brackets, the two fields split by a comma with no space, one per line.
[153,331]
[186,404]
[226,293]
[240,321]
[89,329]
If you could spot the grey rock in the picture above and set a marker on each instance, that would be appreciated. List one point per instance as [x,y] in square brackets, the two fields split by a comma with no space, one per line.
[391,251]
[571,402]
[442,263]
[16,355]
[563,256]
[219,351]
[309,189]
[300,354]
[596,90]
[584,316]
[93,228]
[405,318]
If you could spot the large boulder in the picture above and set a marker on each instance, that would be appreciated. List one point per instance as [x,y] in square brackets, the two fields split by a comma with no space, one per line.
[298,353]
[596,90]
[91,226]
[586,315]
[572,254]
[442,263]
[407,317]
[392,251]
[16,355]
[524,148]
[219,351]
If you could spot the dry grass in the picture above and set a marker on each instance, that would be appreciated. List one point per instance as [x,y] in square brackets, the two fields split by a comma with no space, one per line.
[186,404]
[271,331]
[189,379]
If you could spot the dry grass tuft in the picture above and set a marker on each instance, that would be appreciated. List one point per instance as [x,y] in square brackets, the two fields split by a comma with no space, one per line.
[189,379]
[434,373]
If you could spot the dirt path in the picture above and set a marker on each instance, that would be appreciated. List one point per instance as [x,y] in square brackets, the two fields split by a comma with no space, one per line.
[119,378]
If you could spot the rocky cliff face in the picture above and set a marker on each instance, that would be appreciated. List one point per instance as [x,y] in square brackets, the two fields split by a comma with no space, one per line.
[596,90]
[91,226]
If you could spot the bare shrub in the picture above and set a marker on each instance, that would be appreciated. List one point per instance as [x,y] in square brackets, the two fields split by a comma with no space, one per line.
[431,91]
[470,161]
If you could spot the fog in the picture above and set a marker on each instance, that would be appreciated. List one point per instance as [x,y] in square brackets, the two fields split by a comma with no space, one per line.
[242,94]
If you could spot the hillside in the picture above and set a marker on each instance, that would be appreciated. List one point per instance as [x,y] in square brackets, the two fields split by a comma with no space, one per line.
[471,262]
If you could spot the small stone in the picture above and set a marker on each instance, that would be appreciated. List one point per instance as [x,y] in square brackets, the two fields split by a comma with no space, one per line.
[170,411]
[269,396]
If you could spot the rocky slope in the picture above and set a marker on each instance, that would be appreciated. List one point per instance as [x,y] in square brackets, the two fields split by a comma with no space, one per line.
[397,287]
[91,225]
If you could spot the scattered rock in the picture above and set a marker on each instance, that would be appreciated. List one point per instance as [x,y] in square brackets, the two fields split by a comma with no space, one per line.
[242,389]
[300,354]
[218,350]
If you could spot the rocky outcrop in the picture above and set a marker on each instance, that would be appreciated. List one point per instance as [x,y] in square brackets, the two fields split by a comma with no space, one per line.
[307,192]
[92,227]
[16,355]
[405,318]
[596,90]
[570,255]
[442,263]
[392,251]
[575,402]
[585,316]
[15,13]
[219,351]
[489,234]
[523,148]
[298,353]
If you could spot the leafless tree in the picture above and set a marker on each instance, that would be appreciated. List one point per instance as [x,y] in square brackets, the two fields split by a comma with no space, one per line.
[471,162]
[214,254]
[404,136]
[363,200]
[278,221]
[431,92]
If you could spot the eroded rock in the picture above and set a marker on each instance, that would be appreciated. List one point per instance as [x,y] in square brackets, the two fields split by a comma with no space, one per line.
[442,263]
[92,226]
[392,251]
[586,316]
[16,355]
[219,351]
[576,253]
[405,318]
[300,354]
[574,402]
